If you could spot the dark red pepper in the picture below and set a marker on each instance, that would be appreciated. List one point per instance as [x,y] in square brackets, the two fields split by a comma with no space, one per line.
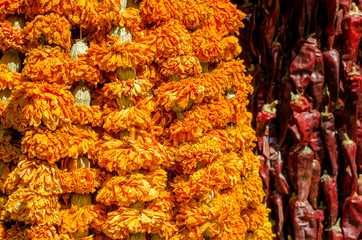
[316,142]
[276,165]
[303,117]
[331,16]
[304,221]
[264,174]
[352,32]
[317,80]
[304,172]
[292,167]
[346,182]
[268,112]
[314,187]
[345,5]
[302,65]
[276,52]
[349,149]
[329,186]
[352,218]
[359,189]
[353,90]
[330,140]
[278,204]
[359,145]
[335,232]
[311,7]
[284,110]
[320,218]
[331,70]
[271,10]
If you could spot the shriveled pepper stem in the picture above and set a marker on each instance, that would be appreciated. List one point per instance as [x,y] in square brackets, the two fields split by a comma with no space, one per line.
[270,108]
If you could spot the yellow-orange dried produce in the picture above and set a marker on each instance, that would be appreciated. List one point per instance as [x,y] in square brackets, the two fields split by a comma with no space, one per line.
[84,115]
[47,64]
[33,104]
[133,89]
[113,54]
[182,65]
[40,177]
[81,180]
[78,219]
[29,207]
[51,29]
[141,153]
[129,188]
[11,37]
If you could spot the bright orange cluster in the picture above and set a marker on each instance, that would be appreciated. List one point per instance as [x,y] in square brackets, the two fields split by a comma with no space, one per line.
[125,123]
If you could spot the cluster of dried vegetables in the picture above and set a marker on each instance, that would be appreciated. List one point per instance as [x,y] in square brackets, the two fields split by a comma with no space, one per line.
[126,122]
[305,58]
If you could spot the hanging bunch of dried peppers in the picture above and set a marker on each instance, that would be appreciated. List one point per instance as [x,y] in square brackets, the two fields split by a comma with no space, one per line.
[306,55]
[128,120]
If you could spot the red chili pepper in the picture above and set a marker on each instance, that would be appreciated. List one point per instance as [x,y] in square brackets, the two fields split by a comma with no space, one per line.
[304,221]
[349,149]
[292,168]
[320,218]
[271,10]
[304,173]
[346,4]
[346,182]
[302,65]
[276,52]
[268,112]
[335,232]
[352,218]
[314,187]
[284,110]
[316,142]
[330,139]
[277,201]
[352,32]
[331,16]
[276,165]
[359,145]
[311,7]
[303,118]
[353,90]
[359,189]
[317,80]
[329,186]
[264,174]
[331,69]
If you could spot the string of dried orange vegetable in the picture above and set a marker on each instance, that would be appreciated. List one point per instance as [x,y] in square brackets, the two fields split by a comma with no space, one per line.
[146,131]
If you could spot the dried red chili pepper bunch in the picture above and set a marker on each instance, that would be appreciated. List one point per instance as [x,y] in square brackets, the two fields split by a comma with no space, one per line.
[125,120]
[306,62]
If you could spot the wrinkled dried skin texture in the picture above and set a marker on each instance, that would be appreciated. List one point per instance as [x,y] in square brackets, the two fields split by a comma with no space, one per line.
[33,104]
[127,54]
[11,37]
[352,218]
[29,207]
[37,176]
[79,219]
[55,28]
[52,146]
[81,181]
[156,218]
[129,188]
[141,153]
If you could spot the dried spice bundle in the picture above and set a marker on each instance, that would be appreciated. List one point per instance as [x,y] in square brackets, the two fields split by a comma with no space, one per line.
[144,134]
